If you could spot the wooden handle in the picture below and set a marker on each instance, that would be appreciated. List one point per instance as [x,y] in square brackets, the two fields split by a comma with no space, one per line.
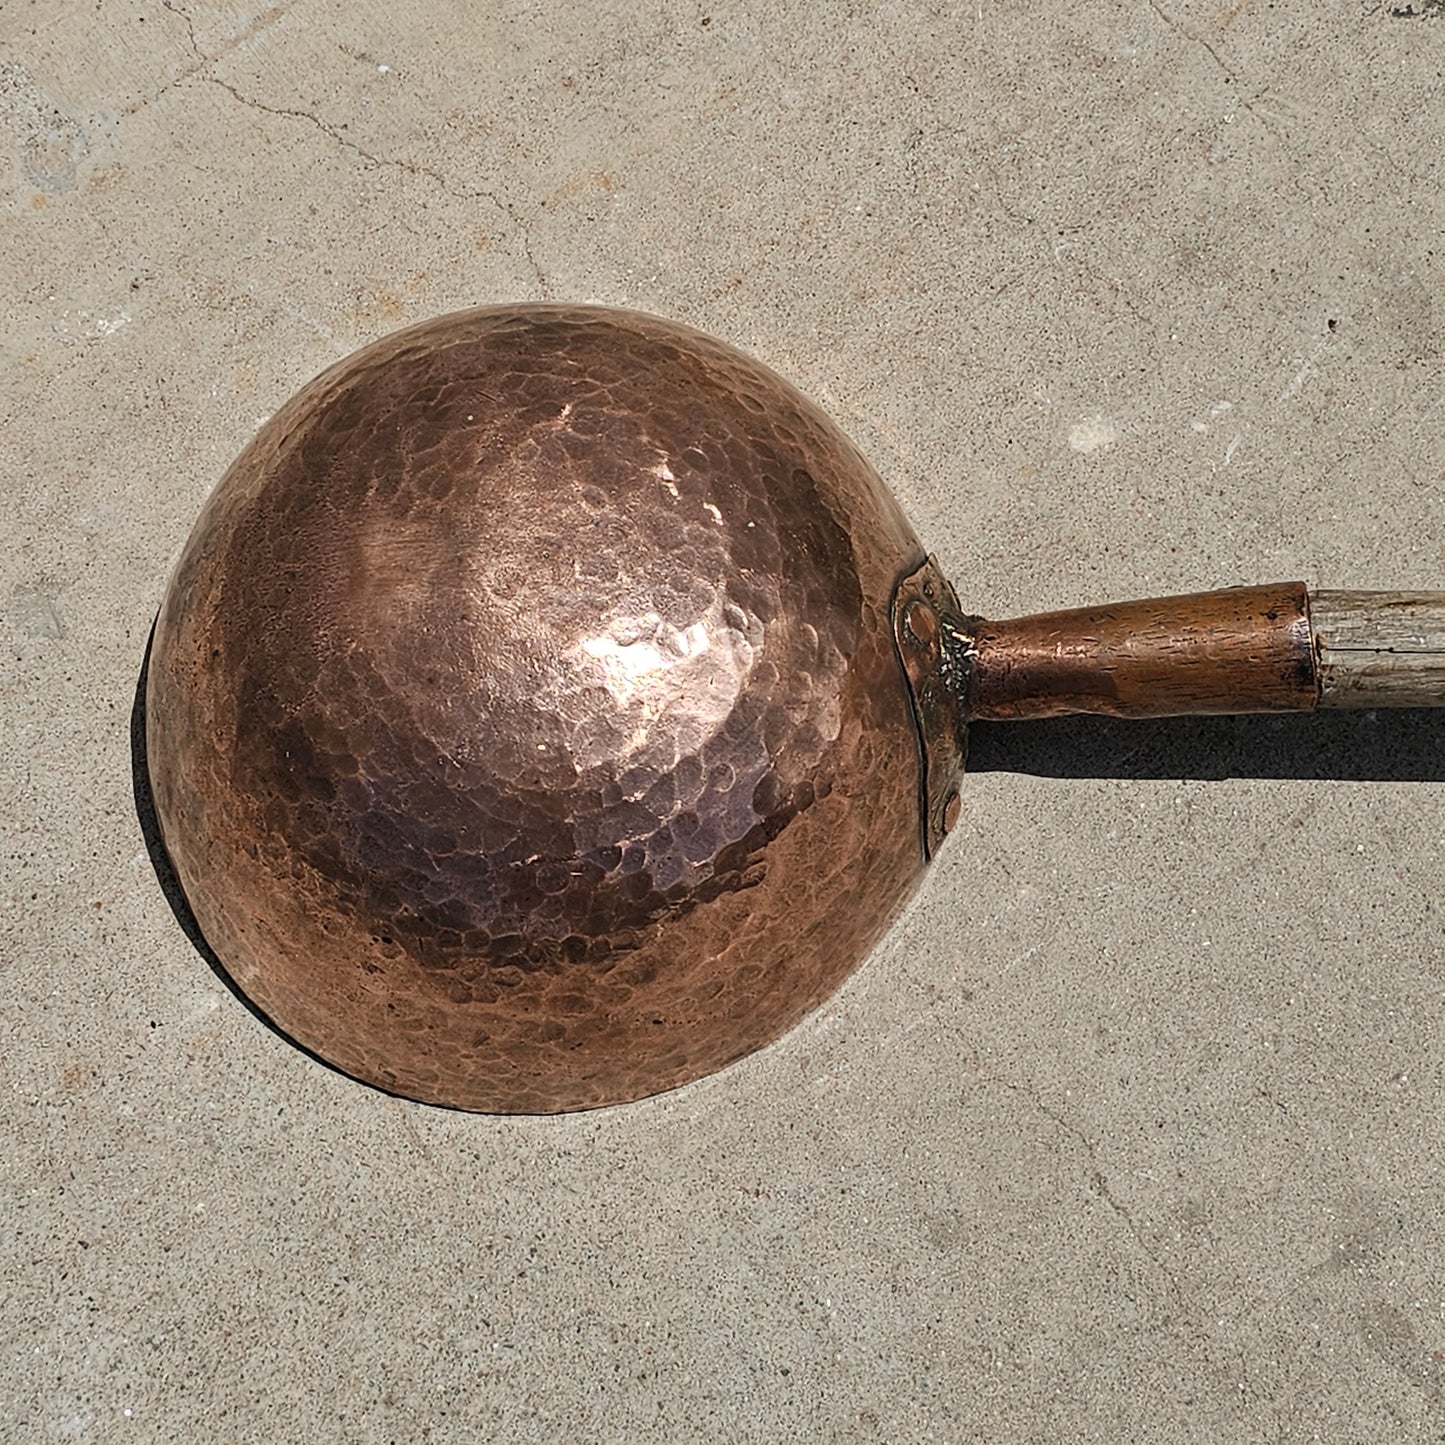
[1380,649]
[1276,648]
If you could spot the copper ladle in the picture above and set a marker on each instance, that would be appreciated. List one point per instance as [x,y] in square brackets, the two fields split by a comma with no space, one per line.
[552,706]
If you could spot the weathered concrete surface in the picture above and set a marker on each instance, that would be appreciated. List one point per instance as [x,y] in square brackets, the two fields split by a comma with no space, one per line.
[1133,1128]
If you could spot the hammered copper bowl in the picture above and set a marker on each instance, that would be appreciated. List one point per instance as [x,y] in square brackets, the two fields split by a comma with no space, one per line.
[524,722]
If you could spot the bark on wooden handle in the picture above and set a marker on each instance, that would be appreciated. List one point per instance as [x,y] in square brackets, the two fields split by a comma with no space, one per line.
[1243,649]
[1380,649]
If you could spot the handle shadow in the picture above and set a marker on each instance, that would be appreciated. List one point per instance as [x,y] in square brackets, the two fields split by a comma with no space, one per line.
[1396,746]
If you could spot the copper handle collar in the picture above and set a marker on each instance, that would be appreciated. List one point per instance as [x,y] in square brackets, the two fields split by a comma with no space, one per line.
[1238,650]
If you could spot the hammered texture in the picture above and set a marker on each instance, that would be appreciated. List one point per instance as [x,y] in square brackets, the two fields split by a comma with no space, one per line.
[524,720]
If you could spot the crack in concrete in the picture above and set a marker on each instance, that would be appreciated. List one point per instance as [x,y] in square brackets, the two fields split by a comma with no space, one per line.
[336,134]
[263,21]
[1228,71]
[1098,1180]
[1116,286]
[1062,256]
[1100,1183]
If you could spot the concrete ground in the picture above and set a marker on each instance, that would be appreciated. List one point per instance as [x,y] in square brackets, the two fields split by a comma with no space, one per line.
[1134,1127]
